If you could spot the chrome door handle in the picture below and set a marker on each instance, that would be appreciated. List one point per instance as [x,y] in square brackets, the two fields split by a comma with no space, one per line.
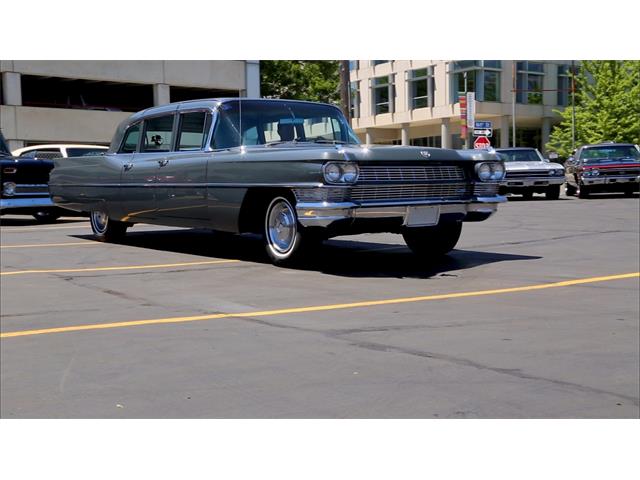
[128,166]
[163,162]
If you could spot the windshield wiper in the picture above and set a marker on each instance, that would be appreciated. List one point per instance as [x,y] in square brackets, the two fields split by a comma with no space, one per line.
[333,142]
[280,142]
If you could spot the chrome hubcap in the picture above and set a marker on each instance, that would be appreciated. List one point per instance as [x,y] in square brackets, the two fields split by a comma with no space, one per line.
[99,220]
[281,226]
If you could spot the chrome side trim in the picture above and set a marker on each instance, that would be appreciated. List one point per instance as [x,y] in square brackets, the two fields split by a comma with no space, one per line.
[7,203]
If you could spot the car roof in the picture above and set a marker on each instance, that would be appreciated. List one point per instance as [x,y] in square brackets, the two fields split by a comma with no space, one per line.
[514,148]
[608,144]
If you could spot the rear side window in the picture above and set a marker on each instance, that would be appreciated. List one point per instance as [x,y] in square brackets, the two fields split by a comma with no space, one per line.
[158,134]
[193,131]
[131,137]
[42,154]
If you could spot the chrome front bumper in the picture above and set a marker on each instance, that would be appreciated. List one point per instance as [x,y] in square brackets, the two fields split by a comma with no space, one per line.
[606,180]
[323,214]
[532,182]
[8,203]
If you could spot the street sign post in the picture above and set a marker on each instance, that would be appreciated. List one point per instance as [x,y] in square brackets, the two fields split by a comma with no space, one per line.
[481,142]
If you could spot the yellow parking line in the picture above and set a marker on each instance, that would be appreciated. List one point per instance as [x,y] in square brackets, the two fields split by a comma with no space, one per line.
[127,267]
[67,244]
[318,308]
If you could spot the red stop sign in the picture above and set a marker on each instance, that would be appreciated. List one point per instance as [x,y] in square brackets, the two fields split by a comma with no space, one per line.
[482,142]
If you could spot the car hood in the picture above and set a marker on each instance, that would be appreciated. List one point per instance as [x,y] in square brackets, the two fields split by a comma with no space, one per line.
[524,166]
[365,153]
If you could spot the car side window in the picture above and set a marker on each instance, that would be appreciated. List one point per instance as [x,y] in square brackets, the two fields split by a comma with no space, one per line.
[131,137]
[193,131]
[158,134]
[47,154]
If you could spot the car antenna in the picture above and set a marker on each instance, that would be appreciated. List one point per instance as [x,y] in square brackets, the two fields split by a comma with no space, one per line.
[240,115]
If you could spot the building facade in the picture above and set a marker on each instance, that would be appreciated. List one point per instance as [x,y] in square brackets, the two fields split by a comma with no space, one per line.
[83,101]
[416,102]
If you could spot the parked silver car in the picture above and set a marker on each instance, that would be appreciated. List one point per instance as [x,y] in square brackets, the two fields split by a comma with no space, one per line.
[528,172]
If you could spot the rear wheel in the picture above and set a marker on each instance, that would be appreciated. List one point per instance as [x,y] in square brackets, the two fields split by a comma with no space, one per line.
[570,190]
[105,229]
[553,192]
[286,243]
[583,191]
[435,241]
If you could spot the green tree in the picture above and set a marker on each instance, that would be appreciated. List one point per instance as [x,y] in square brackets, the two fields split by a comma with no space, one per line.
[316,80]
[607,106]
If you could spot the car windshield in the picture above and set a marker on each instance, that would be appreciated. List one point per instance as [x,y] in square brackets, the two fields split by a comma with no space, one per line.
[268,123]
[520,155]
[612,153]
[84,152]
[4,149]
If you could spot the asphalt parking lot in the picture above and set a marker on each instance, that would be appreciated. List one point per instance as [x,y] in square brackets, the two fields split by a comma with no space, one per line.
[534,315]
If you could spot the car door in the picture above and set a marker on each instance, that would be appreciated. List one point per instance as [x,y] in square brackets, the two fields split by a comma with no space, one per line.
[139,172]
[181,191]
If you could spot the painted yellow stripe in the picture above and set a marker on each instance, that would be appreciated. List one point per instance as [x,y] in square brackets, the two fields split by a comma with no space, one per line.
[318,308]
[67,244]
[126,267]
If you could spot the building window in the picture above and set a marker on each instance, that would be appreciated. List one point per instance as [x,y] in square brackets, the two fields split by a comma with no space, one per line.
[529,82]
[435,141]
[479,76]
[354,103]
[354,64]
[383,93]
[378,62]
[421,88]
[564,84]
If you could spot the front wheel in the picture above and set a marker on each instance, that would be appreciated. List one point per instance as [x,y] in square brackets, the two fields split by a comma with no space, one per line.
[553,192]
[433,242]
[105,229]
[285,242]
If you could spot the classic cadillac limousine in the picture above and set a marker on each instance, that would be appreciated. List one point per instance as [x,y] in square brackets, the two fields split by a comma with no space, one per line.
[291,171]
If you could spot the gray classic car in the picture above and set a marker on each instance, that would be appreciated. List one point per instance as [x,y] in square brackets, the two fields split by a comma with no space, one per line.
[528,172]
[291,171]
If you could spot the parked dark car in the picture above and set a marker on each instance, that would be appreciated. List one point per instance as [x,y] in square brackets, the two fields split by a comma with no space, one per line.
[292,171]
[528,172]
[605,167]
[24,183]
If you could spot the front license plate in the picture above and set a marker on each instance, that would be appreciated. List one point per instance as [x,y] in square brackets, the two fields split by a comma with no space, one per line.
[422,216]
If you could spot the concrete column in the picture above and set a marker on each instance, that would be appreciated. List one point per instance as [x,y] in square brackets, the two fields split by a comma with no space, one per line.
[404,134]
[546,131]
[11,88]
[252,76]
[505,123]
[550,84]
[368,135]
[161,94]
[444,133]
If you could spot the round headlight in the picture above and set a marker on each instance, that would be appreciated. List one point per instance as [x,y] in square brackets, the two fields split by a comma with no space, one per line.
[9,188]
[484,171]
[332,173]
[497,171]
[552,172]
[595,172]
[349,173]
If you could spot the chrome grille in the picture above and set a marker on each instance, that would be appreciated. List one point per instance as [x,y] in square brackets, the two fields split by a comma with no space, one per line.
[485,189]
[364,193]
[328,194]
[409,174]
[615,172]
[528,173]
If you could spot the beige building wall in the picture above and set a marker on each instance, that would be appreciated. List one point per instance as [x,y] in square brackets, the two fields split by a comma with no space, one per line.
[29,125]
[404,125]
